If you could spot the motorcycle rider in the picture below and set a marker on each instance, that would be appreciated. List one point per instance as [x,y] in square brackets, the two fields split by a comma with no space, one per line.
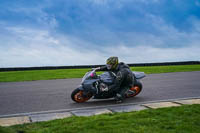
[123,77]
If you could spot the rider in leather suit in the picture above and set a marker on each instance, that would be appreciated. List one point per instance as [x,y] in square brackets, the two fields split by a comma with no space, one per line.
[123,77]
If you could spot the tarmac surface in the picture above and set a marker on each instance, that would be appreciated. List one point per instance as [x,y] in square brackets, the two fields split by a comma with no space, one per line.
[48,95]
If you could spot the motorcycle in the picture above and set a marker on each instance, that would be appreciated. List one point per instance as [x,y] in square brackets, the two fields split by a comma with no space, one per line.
[97,86]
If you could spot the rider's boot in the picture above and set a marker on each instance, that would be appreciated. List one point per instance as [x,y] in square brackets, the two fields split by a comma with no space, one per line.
[121,95]
[118,98]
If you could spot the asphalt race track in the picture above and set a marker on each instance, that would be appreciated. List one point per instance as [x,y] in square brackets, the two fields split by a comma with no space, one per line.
[45,95]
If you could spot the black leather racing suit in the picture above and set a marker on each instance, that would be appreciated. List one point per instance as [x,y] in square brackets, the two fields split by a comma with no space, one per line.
[123,78]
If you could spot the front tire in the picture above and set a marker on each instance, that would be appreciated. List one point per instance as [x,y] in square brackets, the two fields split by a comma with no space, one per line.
[77,96]
[137,88]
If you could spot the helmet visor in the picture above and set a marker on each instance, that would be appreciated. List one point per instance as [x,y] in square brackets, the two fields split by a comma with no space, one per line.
[109,66]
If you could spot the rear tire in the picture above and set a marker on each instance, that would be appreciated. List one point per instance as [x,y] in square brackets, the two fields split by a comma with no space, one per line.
[77,96]
[137,88]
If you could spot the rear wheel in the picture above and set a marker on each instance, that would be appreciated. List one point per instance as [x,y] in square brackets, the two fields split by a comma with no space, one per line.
[77,96]
[137,88]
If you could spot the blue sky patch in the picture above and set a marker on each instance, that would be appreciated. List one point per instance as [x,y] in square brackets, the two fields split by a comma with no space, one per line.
[77,32]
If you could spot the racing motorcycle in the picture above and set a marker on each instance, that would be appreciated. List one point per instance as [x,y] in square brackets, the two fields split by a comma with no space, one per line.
[97,86]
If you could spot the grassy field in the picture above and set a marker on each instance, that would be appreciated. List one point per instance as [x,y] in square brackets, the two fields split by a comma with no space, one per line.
[14,76]
[184,119]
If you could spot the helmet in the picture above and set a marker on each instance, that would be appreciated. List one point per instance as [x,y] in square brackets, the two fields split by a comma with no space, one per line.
[112,63]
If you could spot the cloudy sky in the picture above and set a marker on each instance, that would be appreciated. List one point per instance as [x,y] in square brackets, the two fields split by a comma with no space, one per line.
[85,32]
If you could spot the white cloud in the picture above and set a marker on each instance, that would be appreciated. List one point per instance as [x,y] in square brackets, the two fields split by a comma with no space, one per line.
[37,14]
[197,3]
[22,47]
[62,55]
[99,2]
[166,35]
[40,48]
[146,54]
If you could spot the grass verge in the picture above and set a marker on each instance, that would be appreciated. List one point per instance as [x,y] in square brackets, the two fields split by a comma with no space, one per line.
[14,76]
[183,119]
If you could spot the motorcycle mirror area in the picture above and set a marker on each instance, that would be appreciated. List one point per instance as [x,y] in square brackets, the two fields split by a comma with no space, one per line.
[93,75]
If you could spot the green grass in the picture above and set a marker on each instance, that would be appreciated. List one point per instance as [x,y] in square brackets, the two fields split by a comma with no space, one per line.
[167,69]
[183,119]
[41,74]
[14,76]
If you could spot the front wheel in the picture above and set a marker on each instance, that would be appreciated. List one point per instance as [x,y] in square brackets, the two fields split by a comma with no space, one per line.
[136,89]
[77,96]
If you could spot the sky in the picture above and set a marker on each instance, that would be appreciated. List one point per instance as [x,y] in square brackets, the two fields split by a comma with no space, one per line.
[87,32]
